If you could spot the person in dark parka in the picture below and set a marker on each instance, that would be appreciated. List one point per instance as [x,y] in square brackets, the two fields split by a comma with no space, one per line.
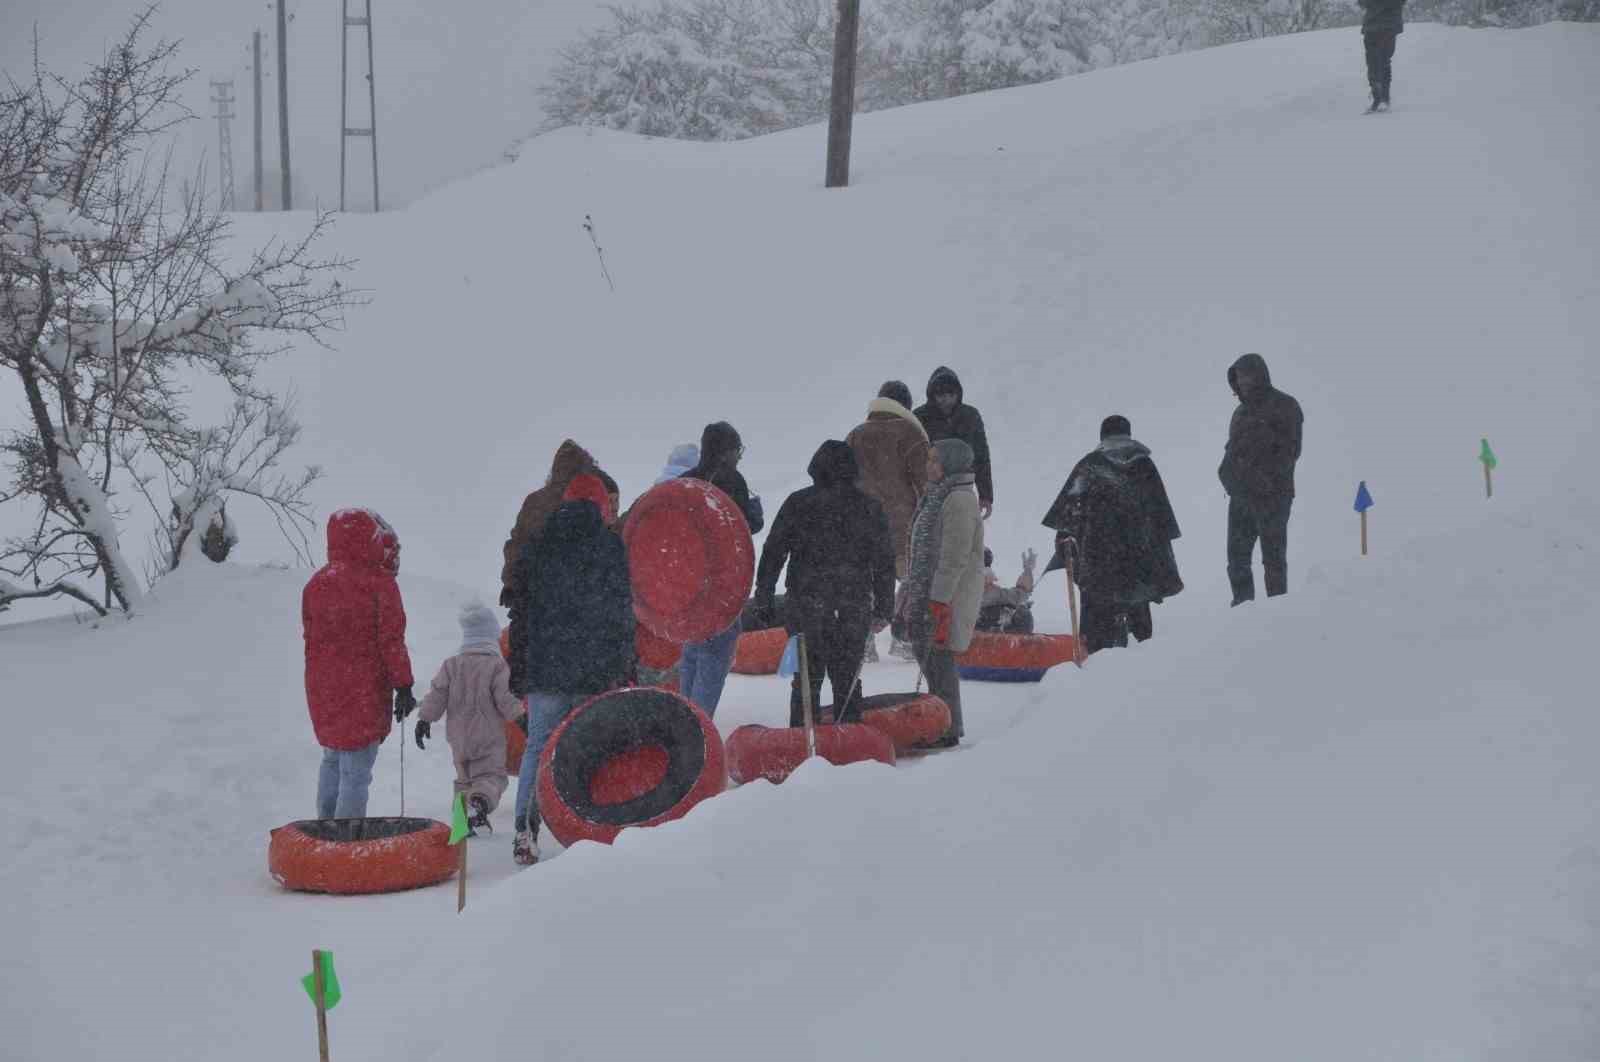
[1382,22]
[1257,471]
[946,415]
[572,628]
[1113,519]
[835,541]
[704,665]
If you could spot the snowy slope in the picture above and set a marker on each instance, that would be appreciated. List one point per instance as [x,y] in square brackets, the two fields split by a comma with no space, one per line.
[1355,822]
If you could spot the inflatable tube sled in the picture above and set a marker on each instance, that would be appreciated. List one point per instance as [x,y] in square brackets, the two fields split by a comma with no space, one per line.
[1013,657]
[773,753]
[690,558]
[906,719]
[631,757]
[358,856]
[758,652]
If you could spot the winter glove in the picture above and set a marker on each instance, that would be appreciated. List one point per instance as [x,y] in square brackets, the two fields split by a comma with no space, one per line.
[424,730]
[941,622]
[404,703]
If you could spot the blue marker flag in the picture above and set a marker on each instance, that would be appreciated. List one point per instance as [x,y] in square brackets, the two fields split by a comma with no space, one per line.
[791,657]
[1363,498]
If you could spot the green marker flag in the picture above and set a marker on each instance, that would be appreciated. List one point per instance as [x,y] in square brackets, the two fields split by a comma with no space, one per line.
[330,984]
[1486,455]
[458,821]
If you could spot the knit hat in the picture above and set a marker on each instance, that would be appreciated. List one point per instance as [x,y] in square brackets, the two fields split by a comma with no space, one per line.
[1115,425]
[896,391]
[591,488]
[955,456]
[479,625]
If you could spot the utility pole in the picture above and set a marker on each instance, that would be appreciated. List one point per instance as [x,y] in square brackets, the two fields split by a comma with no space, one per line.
[283,102]
[222,96]
[255,67]
[370,131]
[841,113]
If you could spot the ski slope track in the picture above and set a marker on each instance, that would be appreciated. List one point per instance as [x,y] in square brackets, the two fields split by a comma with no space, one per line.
[1359,821]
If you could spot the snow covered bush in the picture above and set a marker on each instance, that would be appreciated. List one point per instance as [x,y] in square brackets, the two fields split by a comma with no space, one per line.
[114,309]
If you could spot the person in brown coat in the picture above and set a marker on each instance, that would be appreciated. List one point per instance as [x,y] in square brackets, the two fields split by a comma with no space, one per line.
[891,448]
[571,460]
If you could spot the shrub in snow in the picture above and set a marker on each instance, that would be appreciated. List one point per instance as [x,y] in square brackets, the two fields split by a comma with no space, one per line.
[112,307]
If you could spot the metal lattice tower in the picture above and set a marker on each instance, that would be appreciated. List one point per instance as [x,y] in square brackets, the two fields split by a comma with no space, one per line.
[345,130]
[222,96]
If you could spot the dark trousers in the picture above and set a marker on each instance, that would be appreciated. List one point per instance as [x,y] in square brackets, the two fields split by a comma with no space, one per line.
[834,637]
[1106,623]
[1380,57]
[944,681]
[1266,519]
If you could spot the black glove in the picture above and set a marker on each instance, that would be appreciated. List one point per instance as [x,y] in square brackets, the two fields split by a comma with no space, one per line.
[404,703]
[424,730]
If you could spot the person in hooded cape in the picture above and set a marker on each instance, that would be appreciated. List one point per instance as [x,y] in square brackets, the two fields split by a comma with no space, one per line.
[1112,518]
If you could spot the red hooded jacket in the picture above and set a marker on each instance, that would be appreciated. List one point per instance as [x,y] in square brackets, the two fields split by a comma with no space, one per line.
[355,630]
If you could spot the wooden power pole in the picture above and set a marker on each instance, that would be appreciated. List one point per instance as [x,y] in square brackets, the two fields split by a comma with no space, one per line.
[841,114]
[255,66]
[283,102]
[346,130]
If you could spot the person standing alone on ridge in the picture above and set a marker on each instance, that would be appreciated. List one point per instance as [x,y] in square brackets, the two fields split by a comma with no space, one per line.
[1257,471]
[946,415]
[1382,22]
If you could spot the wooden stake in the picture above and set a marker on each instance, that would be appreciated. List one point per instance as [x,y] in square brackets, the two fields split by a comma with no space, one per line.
[322,1008]
[1072,604]
[1488,481]
[805,697]
[1363,532]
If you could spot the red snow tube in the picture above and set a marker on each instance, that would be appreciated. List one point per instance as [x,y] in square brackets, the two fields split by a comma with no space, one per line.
[772,753]
[356,856]
[906,719]
[691,560]
[1013,657]
[631,757]
[758,652]
[654,651]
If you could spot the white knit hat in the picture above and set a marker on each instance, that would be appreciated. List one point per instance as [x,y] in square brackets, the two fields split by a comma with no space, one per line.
[479,625]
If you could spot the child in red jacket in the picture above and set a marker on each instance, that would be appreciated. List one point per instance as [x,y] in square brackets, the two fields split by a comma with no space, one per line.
[357,667]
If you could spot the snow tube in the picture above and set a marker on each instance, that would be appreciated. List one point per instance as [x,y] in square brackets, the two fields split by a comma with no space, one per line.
[773,753]
[655,652]
[358,856]
[1013,657]
[906,719]
[758,652]
[631,757]
[690,558]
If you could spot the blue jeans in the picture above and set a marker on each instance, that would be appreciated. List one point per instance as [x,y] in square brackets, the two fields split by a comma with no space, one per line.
[705,666]
[545,713]
[343,781]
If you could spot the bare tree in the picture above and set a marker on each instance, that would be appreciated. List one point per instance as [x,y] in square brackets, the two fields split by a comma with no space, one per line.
[112,305]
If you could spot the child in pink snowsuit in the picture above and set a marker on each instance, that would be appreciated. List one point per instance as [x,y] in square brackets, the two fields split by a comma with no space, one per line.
[473,689]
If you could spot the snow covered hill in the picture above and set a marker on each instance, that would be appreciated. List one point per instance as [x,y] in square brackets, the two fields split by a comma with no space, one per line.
[1356,822]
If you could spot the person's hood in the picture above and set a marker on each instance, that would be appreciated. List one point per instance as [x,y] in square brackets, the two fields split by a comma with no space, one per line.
[570,460]
[1123,449]
[683,458]
[479,626]
[885,408]
[1254,363]
[718,445]
[574,520]
[363,539]
[833,464]
[943,379]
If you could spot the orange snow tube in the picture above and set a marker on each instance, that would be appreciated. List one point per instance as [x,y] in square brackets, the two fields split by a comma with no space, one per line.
[756,751]
[907,719]
[758,652]
[1013,657]
[357,856]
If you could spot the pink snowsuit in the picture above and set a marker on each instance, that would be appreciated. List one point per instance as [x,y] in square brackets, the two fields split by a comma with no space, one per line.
[472,689]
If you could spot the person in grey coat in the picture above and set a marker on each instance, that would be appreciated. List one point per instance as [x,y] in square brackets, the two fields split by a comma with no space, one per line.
[1382,22]
[944,589]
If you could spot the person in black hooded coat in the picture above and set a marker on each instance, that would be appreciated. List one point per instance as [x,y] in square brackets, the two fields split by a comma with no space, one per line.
[834,539]
[946,415]
[1114,520]
[1382,22]
[1257,471]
